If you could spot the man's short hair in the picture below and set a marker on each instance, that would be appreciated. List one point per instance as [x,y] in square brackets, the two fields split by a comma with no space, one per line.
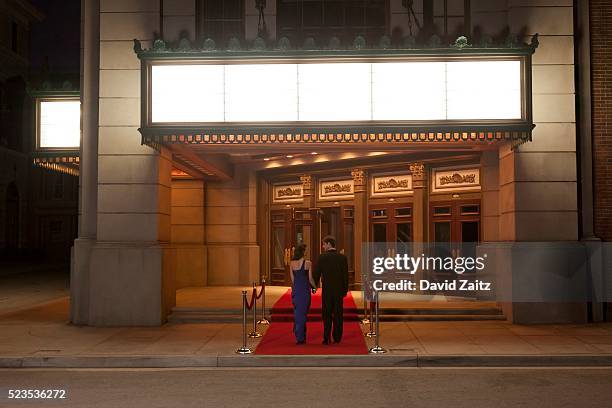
[330,240]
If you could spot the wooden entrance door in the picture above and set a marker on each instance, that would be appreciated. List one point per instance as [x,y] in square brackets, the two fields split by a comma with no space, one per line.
[338,222]
[455,227]
[289,228]
[391,223]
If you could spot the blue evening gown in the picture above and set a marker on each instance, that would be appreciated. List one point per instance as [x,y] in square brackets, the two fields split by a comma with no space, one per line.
[300,296]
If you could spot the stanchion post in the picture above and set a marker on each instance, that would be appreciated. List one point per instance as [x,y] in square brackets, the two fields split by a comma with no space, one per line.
[254,334]
[377,349]
[365,319]
[244,349]
[264,320]
[371,333]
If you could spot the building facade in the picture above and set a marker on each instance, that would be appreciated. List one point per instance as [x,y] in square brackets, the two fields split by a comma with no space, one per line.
[38,208]
[178,205]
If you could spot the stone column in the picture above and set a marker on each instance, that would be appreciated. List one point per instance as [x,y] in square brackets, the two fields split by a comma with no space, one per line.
[538,180]
[88,178]
[419,208]
[131,282]
[309,197]
[420,212]
[360,220]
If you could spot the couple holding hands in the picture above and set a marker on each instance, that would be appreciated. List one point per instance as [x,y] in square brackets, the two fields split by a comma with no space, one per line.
[332,271]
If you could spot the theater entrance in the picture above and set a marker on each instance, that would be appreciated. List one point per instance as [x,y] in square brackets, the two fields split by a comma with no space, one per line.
[293,226]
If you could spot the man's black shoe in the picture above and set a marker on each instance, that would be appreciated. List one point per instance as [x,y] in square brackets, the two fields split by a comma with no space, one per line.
[326,342]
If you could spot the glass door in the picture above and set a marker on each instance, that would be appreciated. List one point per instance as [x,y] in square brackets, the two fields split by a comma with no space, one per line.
[289,228]
[391,224]
[338,222]
[455,227]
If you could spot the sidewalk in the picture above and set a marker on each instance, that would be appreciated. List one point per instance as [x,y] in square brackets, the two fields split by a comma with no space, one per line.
[41,336]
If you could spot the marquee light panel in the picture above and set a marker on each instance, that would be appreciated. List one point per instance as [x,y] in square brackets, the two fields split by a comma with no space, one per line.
[59,124]
[329,92]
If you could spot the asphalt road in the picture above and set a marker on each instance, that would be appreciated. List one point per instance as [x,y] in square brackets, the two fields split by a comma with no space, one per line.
[329,387]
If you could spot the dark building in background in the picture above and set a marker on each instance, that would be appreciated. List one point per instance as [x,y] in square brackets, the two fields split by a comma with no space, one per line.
[38,207]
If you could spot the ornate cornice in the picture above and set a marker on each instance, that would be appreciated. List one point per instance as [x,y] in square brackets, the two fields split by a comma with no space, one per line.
[208,48]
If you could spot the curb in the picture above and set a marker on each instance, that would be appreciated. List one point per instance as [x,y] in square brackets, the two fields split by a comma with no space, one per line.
[281,361]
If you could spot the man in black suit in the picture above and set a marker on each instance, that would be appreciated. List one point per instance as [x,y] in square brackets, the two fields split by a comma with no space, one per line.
[332,269]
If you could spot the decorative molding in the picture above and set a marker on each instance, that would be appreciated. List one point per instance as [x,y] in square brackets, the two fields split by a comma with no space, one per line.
[336,189]
[358,176]
[182,48]
[391,184]
[417,170]
[455,179]
[296,135]
[306,180]
[287,193]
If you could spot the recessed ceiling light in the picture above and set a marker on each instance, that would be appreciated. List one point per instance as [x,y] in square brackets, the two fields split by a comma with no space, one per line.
[314,153]
[289,156]
[266,159]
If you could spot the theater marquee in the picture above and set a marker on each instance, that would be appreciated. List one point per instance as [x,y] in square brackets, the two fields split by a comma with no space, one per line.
[260,96]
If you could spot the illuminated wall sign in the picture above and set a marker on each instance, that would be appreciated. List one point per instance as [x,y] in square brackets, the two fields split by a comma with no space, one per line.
[452,179]
[287,193]
[336,189]
[59,124]
[341,91]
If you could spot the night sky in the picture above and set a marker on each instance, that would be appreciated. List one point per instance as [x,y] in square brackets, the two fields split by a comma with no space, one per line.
[57,36]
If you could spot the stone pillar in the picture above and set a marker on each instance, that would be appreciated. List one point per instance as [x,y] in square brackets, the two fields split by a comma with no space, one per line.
[538,180]
[360,220]
[489,206]
[420,210]
[188,233]
[419,207]
[130,279]
[88,178]
[309,197]
[231,229]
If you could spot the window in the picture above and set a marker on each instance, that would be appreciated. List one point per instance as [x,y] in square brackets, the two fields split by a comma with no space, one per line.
[220,20]
[447,18]
[323,19]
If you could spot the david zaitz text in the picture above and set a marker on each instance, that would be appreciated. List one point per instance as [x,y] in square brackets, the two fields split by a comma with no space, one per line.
[388,274]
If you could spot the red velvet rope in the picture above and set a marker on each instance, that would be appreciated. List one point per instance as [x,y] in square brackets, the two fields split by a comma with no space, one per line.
[263,289]
[253,297]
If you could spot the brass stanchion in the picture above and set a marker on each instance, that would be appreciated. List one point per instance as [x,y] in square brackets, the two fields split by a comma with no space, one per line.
[254,334]
[365,319]
[264,320]
[377,349]
[371,333]
[244,349]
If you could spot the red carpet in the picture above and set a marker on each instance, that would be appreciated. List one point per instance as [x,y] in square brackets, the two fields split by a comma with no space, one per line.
[279,338]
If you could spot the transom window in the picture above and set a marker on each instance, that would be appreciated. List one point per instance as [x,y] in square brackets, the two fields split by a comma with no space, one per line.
[220,20]
[323,19]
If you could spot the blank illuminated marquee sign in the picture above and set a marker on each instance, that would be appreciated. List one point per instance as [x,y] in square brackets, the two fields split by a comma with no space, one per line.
[340,91]
[59,123]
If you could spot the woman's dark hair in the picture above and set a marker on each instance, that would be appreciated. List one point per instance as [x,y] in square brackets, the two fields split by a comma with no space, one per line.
[299,251]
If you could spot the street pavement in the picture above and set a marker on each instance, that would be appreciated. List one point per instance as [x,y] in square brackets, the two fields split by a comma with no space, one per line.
[333,387]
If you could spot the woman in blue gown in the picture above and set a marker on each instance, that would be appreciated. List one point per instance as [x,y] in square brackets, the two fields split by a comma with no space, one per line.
[302,284]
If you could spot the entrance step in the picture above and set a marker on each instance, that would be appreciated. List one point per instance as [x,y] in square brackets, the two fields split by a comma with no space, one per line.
[203,315]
